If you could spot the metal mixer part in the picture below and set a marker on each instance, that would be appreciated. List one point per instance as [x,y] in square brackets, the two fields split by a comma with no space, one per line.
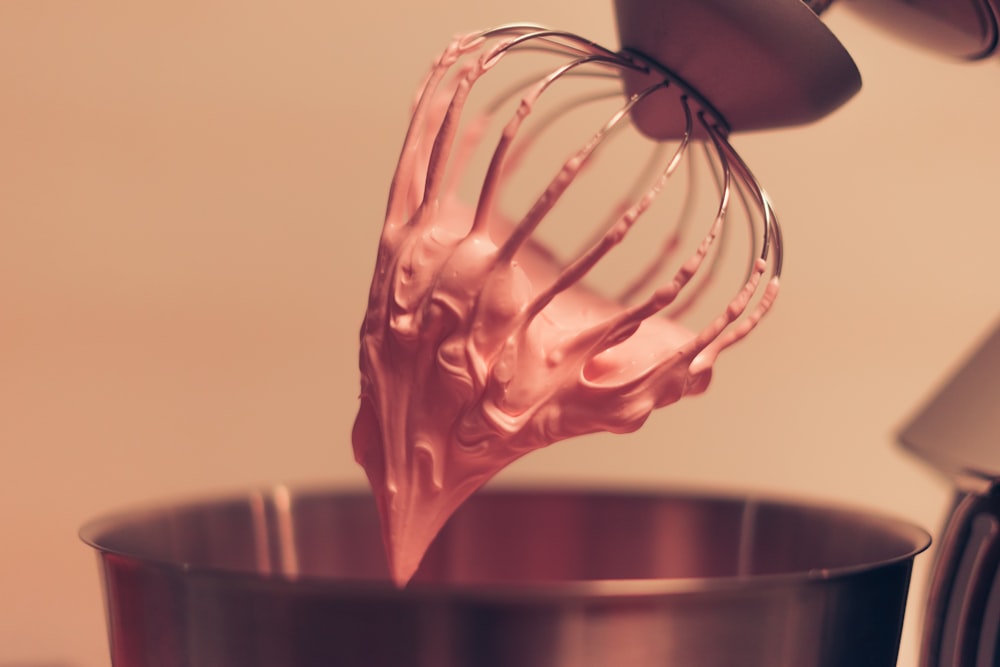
[763,63]
[962,29]
[958,429]
[958,432]
[691,117]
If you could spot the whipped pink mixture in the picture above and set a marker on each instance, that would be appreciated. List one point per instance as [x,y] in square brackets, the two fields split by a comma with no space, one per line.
[478,347]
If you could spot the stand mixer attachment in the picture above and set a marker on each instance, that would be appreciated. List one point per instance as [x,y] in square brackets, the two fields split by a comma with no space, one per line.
[484,339]
[961,29]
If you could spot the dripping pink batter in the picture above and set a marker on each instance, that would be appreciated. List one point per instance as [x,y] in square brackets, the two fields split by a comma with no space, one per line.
[477,348]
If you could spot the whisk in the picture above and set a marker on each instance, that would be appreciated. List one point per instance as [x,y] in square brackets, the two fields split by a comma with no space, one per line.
[483,340]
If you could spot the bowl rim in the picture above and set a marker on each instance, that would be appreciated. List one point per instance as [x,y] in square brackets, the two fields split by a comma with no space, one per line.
[94,534]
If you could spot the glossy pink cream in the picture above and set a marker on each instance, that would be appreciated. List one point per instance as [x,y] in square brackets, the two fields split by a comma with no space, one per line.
[477,347]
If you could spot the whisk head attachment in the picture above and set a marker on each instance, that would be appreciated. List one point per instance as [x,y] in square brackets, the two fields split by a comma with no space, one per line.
[486,338]
[763,63]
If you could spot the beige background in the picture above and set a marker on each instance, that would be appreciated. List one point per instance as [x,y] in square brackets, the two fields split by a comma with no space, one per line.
[190,195]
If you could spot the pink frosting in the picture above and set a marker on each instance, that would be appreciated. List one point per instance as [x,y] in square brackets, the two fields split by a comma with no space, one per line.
[477,347]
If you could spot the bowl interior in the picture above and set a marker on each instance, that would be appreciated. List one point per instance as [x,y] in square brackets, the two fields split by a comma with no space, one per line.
[533,536]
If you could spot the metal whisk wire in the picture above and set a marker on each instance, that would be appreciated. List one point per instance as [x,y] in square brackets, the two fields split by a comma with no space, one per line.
[482,341]
[421,175]
[729,171]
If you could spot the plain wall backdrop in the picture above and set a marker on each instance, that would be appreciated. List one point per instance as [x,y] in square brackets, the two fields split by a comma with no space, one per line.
[190,197]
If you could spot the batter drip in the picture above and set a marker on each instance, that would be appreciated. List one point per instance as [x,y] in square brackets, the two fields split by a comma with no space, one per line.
[478,346]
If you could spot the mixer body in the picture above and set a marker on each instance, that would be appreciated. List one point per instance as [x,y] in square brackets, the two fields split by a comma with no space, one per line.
[959,29]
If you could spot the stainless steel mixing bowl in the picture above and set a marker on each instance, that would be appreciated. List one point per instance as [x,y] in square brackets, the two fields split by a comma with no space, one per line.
[296,577]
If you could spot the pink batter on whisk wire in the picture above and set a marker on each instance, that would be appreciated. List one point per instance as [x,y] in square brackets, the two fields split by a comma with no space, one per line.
[477,346]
